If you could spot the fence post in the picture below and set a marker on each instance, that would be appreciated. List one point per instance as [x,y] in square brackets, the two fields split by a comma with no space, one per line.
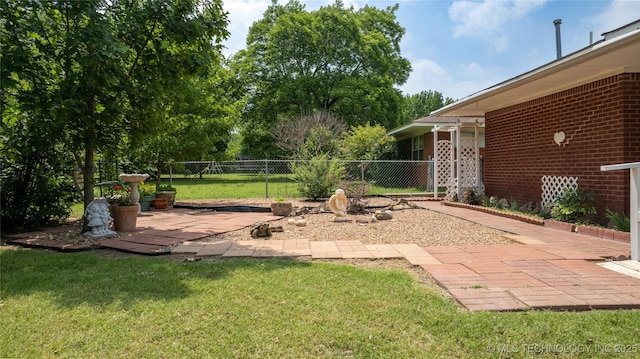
[171,175]
[362,170]
[266,177]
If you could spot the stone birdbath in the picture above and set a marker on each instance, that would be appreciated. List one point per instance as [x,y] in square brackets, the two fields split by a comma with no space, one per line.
[134,179]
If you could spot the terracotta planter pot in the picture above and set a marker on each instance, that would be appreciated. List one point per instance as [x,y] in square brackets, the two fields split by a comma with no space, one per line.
[281,208]
[160,203]
[170,196]
[124,218]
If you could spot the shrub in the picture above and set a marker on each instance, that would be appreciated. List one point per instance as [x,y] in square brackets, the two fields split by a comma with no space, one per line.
[619,222]
[33,197]
[165,188]
[573,205]
[317,176]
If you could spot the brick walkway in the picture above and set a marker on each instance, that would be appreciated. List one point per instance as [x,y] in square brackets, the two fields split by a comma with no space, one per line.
[543,268]
[548,268]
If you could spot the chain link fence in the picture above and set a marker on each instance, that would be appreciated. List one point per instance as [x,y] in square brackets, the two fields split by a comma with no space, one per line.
[274,178]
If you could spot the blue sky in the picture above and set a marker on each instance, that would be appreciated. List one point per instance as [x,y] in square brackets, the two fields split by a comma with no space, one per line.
[461,47]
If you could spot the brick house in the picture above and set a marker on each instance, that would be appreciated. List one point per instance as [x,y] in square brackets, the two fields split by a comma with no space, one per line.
[565,118]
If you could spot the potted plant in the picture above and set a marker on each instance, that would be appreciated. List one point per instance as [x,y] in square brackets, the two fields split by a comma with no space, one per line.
[147,194]
[168,192]
[123,211]
[280,207]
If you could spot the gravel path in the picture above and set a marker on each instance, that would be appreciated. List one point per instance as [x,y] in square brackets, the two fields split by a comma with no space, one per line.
[419,226]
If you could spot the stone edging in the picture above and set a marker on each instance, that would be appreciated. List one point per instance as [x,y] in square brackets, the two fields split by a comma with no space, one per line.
[597,232]
[516,216]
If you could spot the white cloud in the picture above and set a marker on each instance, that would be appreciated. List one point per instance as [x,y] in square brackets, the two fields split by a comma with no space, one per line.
[242,14]
[457,83]
[618,13]
[489,20]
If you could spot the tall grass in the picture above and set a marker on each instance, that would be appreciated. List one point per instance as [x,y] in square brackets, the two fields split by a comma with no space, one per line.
[84,305]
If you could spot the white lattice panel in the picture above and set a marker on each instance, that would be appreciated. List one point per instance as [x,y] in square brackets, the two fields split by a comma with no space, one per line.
[554,186]
[468,169]
[444,163]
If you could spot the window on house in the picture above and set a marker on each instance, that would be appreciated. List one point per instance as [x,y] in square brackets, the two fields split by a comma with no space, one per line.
[418,148]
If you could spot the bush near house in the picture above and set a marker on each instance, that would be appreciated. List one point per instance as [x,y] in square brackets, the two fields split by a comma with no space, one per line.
[573,206]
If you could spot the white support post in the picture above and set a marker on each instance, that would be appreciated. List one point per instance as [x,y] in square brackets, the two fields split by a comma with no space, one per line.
[452,159]
[634,201]
[477,143]
[435,162]
[458,164]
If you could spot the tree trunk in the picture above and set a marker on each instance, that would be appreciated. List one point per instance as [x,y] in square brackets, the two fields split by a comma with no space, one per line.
[158,176]
[88,172]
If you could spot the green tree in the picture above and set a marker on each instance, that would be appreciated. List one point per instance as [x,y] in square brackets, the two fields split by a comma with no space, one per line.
[94,72]
[367,143]
[422,104]
[198,115]
[333,59]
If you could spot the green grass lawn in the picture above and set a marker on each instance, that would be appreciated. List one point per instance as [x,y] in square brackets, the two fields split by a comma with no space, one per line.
[252,186]
[85,305]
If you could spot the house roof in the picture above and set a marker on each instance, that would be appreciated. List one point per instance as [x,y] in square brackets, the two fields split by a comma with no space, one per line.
[618,52]
[425,124]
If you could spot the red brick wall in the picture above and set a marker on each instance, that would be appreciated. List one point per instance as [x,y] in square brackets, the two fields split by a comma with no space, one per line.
[601,121]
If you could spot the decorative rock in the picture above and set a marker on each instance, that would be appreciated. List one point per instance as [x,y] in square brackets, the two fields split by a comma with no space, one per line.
[292,221]
[400,204]
[98,219]
[301,222]
[537,209]
[319,209]
[260,229]
[503,203]
[526,208]
[382,216]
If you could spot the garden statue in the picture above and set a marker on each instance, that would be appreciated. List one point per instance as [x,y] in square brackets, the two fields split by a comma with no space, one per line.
[338,205]
[98,218]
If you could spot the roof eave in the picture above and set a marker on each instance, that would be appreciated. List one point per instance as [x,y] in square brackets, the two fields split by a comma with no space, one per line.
[469,106]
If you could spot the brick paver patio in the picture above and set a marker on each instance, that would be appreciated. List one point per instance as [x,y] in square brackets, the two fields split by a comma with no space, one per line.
[543,268]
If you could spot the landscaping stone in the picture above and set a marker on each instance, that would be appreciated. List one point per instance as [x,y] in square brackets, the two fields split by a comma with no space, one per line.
[260,229]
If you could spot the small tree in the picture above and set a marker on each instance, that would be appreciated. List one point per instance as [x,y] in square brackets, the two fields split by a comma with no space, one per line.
[318,176]
[367,143]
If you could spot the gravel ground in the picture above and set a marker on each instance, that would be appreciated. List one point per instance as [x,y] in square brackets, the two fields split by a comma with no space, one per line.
[410,225]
